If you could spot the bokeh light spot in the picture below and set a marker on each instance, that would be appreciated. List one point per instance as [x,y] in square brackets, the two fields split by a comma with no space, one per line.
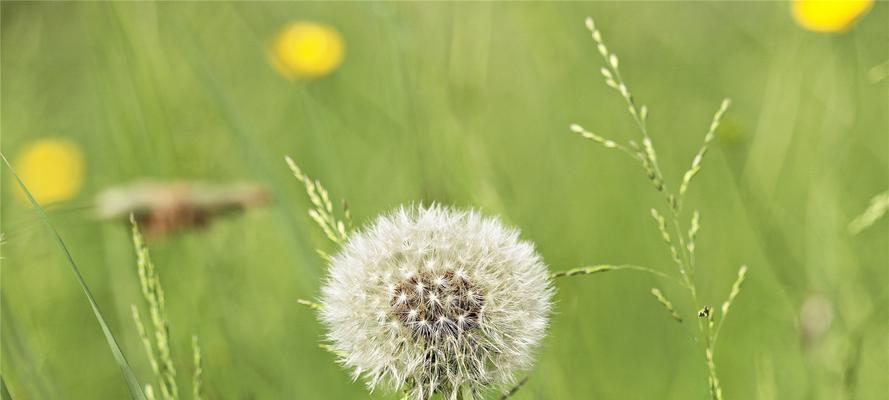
[305,50]
[829,15]
[52,168]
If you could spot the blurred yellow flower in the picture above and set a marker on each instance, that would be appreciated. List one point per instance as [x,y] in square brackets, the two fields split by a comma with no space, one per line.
[305,50]
[829,15]
[51,168]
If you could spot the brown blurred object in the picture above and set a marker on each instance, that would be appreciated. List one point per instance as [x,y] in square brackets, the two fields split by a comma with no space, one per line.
[162,208]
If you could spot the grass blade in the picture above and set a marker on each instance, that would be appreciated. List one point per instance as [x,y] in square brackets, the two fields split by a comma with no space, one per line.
[4,392]
[514,389]
[135,389]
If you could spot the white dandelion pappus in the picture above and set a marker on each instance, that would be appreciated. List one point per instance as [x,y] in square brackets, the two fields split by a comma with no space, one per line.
[436,300]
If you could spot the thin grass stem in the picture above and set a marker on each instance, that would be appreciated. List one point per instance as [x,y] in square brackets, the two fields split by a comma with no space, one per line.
[512,391]
[595,269]
[133,386]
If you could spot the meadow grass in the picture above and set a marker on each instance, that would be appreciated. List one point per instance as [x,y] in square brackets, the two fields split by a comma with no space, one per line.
[680,244]
[159,350]
[135,390]
[461,104]
[4,391]
[159,353]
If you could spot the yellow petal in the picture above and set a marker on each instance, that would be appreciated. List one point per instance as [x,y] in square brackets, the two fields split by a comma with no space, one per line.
[51,168]
[829,15]
[306,50]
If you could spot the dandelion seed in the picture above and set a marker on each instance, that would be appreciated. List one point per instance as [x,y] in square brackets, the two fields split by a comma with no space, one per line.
[829,15]
[305,50]
[468,320]
[52,168]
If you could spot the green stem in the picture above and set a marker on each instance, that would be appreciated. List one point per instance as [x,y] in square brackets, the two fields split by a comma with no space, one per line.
[595,269]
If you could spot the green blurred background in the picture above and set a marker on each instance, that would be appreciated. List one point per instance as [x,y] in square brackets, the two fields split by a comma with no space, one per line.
[465,104]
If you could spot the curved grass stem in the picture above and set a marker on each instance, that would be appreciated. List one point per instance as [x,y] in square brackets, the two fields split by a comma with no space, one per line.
[595,269]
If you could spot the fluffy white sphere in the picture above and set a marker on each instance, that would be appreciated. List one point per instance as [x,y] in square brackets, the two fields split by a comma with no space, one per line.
[436,300]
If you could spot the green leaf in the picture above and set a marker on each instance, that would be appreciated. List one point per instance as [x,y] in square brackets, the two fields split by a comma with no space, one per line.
[130,377]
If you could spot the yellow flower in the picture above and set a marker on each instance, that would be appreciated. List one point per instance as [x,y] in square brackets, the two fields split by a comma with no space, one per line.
[306,50]
[829,15]
[51,168]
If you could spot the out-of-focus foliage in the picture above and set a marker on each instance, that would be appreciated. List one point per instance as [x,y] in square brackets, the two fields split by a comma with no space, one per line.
[465,104]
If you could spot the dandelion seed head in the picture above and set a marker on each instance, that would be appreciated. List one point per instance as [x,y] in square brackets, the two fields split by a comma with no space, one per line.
[470,302]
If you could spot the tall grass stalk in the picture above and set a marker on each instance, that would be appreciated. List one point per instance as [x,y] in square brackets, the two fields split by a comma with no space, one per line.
[159,350]
[197,378]
[335,228]
[135,390]
[4,392]
[159,355]
[680,242]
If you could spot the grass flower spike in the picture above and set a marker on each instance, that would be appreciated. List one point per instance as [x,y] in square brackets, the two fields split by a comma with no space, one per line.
[305,50]
[681,245]
[436,300]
